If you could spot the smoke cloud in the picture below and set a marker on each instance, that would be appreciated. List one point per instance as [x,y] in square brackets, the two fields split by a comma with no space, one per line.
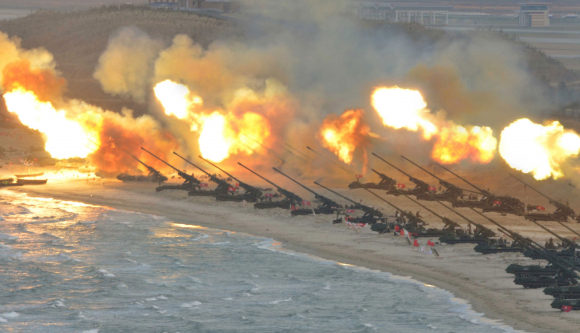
[11,52]
[301,62]
[125,66]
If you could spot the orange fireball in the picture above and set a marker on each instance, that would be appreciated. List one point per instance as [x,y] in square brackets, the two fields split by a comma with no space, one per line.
[342,135]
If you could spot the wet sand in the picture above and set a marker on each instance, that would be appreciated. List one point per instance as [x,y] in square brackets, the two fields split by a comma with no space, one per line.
[469,275]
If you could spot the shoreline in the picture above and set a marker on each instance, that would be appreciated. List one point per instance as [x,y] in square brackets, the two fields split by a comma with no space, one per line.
[482,282]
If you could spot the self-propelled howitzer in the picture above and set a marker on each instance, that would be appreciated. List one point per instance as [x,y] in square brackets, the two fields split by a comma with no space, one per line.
[222,186]
[371,215]
[252,194]
[327,206]
[291,198]
[421,190]
[566,276]
[154,174]
[189,181]
[451,227]
[413,224]
[562,211]
[480,235]
[490,202]
[386,183]
[452,192]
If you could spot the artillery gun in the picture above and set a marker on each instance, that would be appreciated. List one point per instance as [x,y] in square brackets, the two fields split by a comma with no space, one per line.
[560,303]
[327,206]
[291,199]
[189,181]
[517,245]
[531,270]
[566,270]
[386,183]
[481,234]
[371,216]
[412,223]
[452,192]
[223,187]
[570,292]
[490,202]
[153,175]
[421,190]
[451,228]
[252,194]
[562,213]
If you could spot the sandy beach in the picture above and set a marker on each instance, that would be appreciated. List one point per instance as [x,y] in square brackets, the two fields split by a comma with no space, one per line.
[481,280]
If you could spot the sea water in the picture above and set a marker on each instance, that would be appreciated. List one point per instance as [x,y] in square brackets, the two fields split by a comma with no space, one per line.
[72,267]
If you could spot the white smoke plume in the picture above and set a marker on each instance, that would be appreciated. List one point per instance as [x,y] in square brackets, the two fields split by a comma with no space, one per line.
[125,66]
[11,51]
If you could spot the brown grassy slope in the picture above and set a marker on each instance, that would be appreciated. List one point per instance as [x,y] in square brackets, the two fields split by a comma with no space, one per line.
[63,4]
[77,39]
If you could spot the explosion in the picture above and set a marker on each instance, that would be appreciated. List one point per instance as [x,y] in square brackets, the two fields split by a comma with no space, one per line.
[456,143]
[342,135]
[33,91]
[538,149]
[176,98]
[405,108]
[221,132]
[65,138]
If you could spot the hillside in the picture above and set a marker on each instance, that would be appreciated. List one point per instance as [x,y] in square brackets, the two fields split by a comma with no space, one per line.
[77,39]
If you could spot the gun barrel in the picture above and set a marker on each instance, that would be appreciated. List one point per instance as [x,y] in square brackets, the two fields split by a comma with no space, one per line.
[245,167]
[465,180]
[540,193]
[304,187]
[135,157]
[418,203]
[328,159]
[556,235]
[340,195]
[462,216]
[220,169]
[418,166]
[169,165]
[382,159]
[183,158]
[390,204]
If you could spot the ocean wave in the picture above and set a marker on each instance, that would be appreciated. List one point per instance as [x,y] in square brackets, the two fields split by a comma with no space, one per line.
[191,304]
[105,273]
[278,301]
[461,307]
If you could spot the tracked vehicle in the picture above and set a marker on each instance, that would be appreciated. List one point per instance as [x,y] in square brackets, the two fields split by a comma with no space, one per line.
[327,206]
[290,199]
[251,194]
[189,181]
[386,183]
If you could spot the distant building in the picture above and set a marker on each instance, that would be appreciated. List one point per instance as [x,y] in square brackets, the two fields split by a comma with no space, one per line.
[225,6]
[534,15]
[398,12]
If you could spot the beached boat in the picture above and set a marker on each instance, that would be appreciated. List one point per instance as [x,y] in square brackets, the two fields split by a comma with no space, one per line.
[30,175]
[5,182]
[32,181]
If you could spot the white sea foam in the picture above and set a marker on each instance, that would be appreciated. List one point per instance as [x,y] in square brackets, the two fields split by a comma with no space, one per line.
[105,273]
[191,304]
[278,301]
[96,330]
[10,314]
[463,307]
